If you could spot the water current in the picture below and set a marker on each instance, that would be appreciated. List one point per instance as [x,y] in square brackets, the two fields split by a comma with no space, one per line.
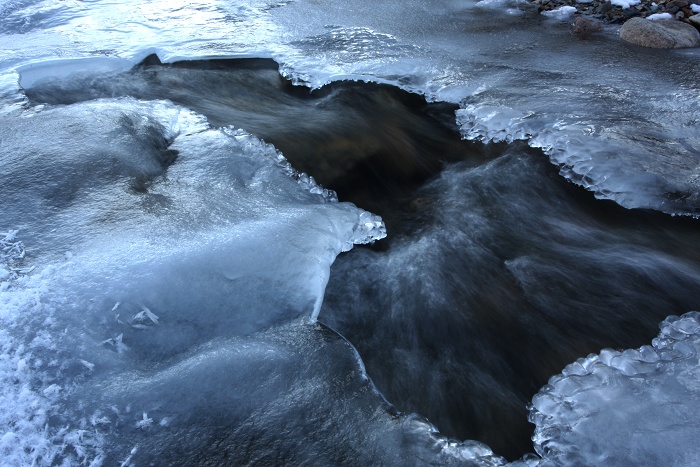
[314,233]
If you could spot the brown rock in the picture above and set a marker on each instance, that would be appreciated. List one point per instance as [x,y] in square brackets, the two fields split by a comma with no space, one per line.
[660,34]
[583,26]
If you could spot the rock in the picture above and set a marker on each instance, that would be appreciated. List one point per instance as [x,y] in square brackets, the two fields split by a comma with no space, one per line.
[695,20]
[583,27]
[661,34]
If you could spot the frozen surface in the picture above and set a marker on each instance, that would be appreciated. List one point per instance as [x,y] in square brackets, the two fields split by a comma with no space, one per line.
[153,236]
[160,276]
[622,408]
[619,120]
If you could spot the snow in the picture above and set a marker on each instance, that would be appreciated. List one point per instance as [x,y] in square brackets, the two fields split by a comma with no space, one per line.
[563,13]
[695,8]
[625,3]
[659,16]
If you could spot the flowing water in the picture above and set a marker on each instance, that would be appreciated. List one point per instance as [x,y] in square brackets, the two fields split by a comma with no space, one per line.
[341,233]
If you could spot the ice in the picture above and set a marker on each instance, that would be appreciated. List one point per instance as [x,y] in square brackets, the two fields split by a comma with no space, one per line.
[30,73]
[145,422]
[488,123]
[252,391]
[12,254]
[217,252]
[444,50]
[631,108]
[599,157]
[144,315]
[178,234]
[620,408]
[511,7]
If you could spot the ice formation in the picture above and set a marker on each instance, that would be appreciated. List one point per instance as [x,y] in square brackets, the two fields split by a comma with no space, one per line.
[631,407]
[160,276]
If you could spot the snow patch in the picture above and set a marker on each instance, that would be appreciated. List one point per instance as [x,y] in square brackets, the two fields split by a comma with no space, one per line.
[659,16]
[562,13]
[625,3]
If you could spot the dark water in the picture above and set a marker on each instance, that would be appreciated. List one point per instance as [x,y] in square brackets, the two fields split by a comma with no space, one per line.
[508,274]
[496,272]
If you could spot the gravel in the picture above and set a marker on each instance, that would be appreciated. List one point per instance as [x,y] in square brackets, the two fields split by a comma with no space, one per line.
[607,12]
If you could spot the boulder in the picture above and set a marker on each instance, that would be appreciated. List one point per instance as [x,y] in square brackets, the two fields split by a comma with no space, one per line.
[660,34]
[695,20]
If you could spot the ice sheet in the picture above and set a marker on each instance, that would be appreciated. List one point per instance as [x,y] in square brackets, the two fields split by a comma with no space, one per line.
[155,235]
[638,406]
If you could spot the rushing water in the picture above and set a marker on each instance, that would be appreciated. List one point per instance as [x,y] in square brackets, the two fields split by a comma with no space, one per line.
[176,288]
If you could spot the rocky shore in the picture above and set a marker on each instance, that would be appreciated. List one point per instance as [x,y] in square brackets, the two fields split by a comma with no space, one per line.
[667,24]
[619,11]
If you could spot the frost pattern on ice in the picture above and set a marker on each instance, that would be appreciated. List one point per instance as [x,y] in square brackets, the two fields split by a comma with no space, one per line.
[32,388]
[11,257]
[636,407]
[144,318]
